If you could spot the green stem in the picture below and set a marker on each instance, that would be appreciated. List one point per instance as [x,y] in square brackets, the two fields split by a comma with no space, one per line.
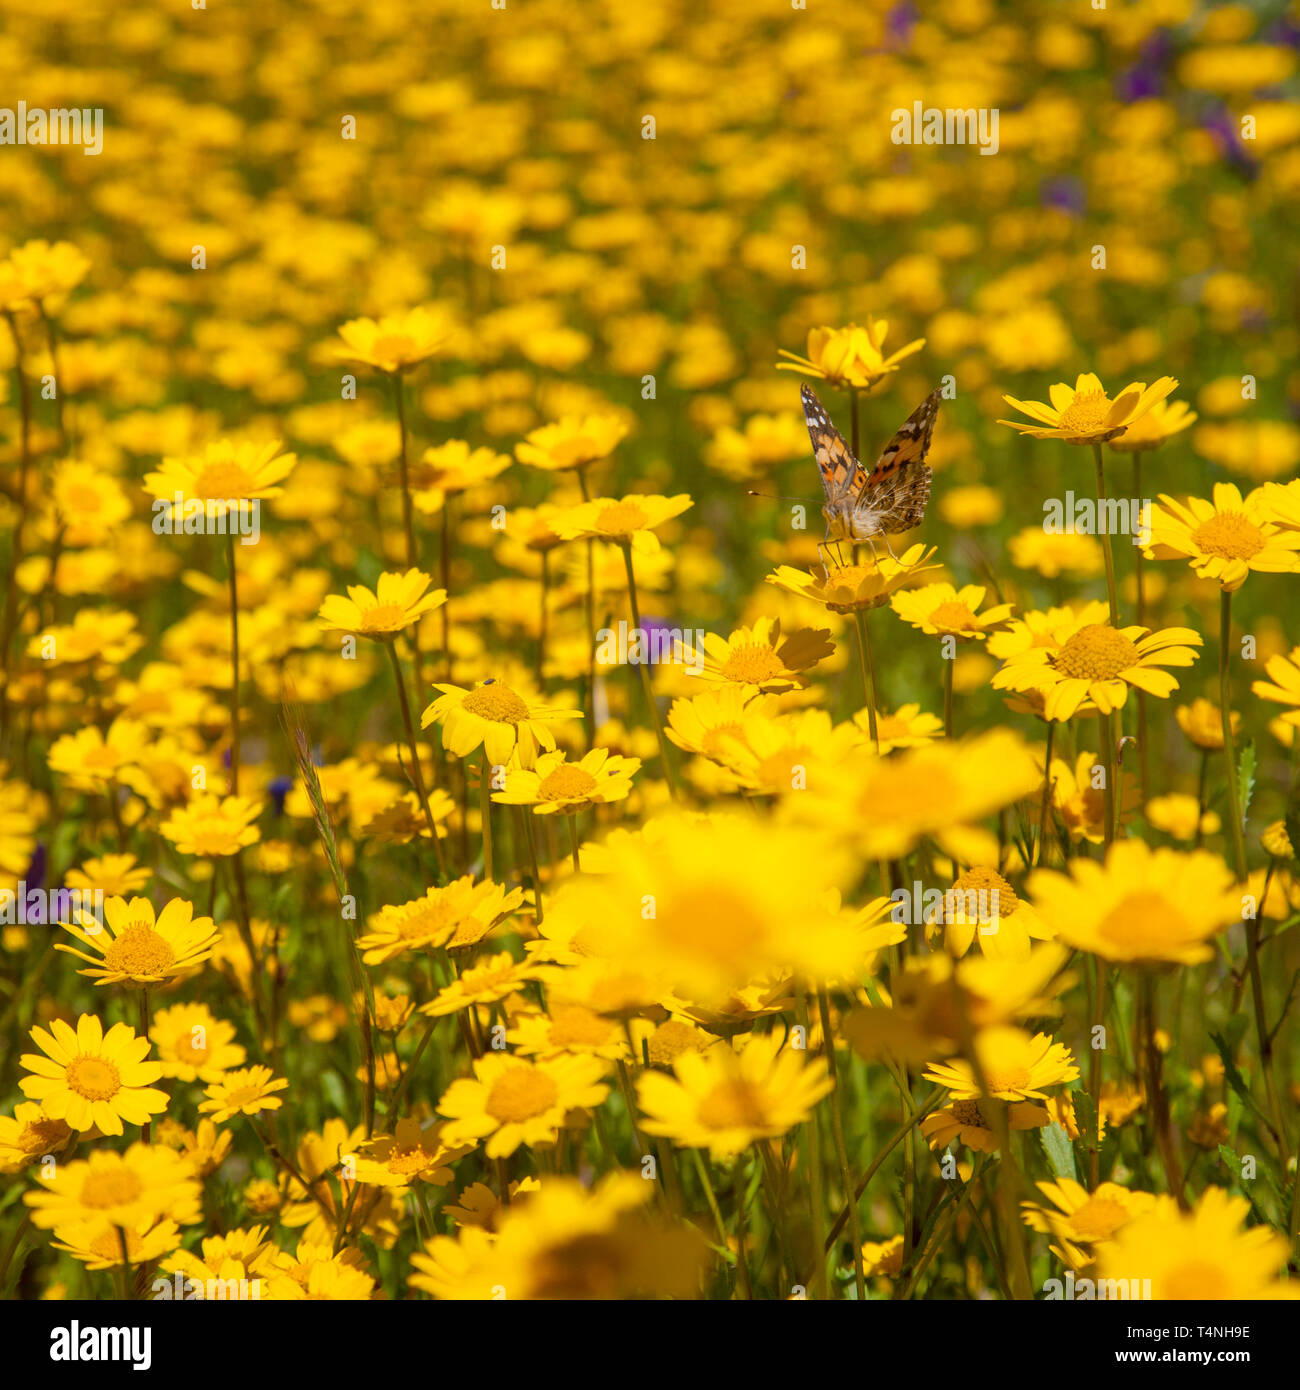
[1229,751]
[948,666]
[1111,596]
[485,811]
[1157,1099]
[841,1148]
[417,775]
[868,675]
[1046,805]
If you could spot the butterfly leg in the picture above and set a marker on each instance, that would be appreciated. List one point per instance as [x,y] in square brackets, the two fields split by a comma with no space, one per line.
[889,547]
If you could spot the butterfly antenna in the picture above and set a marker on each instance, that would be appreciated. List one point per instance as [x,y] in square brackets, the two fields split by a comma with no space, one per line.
[777,497]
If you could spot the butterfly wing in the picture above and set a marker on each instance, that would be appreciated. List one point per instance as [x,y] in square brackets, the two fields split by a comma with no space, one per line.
[842,475]
[897,489]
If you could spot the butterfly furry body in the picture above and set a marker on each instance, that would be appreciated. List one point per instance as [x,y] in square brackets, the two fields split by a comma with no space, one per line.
[889,499]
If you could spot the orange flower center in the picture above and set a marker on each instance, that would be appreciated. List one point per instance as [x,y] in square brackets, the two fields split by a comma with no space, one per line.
[429,919]
[140,951]
[107,1246]
[92,1078]
[393,347]
[188,1051]
[223,479]
[621,518]
[1086,413]
[953,616]
[383,617]
[496,702]
[41,1136]
[959,907]
[521,1094]
[1098,1219]
[733,1104]
[566,783]
[752,664]
[968,1114]
[114,1187]
[1009,1079]
[1146,921]
[242,1096]
[1096,652]
[408,1161]
[1230,536]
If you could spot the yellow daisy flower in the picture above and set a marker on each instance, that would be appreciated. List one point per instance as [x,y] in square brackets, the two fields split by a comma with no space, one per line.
[1016,1066]
[1141,905]
[758,658]
[396,341]
[566,1241]
[487,981]
[1179,815]
[1099,663]
[905,727]
[211,825]
[410,1154]
[1207,1253]
[93,1079]
[1078,1218]
[572,442]
[193,1044]
[145,1183]
[111,874]
[511,1101]
[1164,420]
[92,761]
[398,601]
[246,1091]
[725,1100]
[851,357]
[436,918]
[940,610]
[556,785]
[450,468]
[28,1135]
[1079,797]
[493,715]
[1084,413]
[1225,539]
[626,521]
[136,949]
[1202,720]
[851,588]
[970,1122]
[99,1244]
[982,906]
[701,724]
[226,471]
[46,270]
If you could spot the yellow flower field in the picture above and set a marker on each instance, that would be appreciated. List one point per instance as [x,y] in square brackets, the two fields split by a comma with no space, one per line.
[650,651]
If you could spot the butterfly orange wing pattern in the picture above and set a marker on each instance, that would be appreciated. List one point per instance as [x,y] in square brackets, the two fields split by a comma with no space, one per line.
[893,496]
[842,475]
[898,487]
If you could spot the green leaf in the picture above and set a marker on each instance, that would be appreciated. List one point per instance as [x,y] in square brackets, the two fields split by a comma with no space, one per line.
[1085,1112]
[1246,778]
[331,1084]
[1059,1150]
[1232,1161]
[1233,1076]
